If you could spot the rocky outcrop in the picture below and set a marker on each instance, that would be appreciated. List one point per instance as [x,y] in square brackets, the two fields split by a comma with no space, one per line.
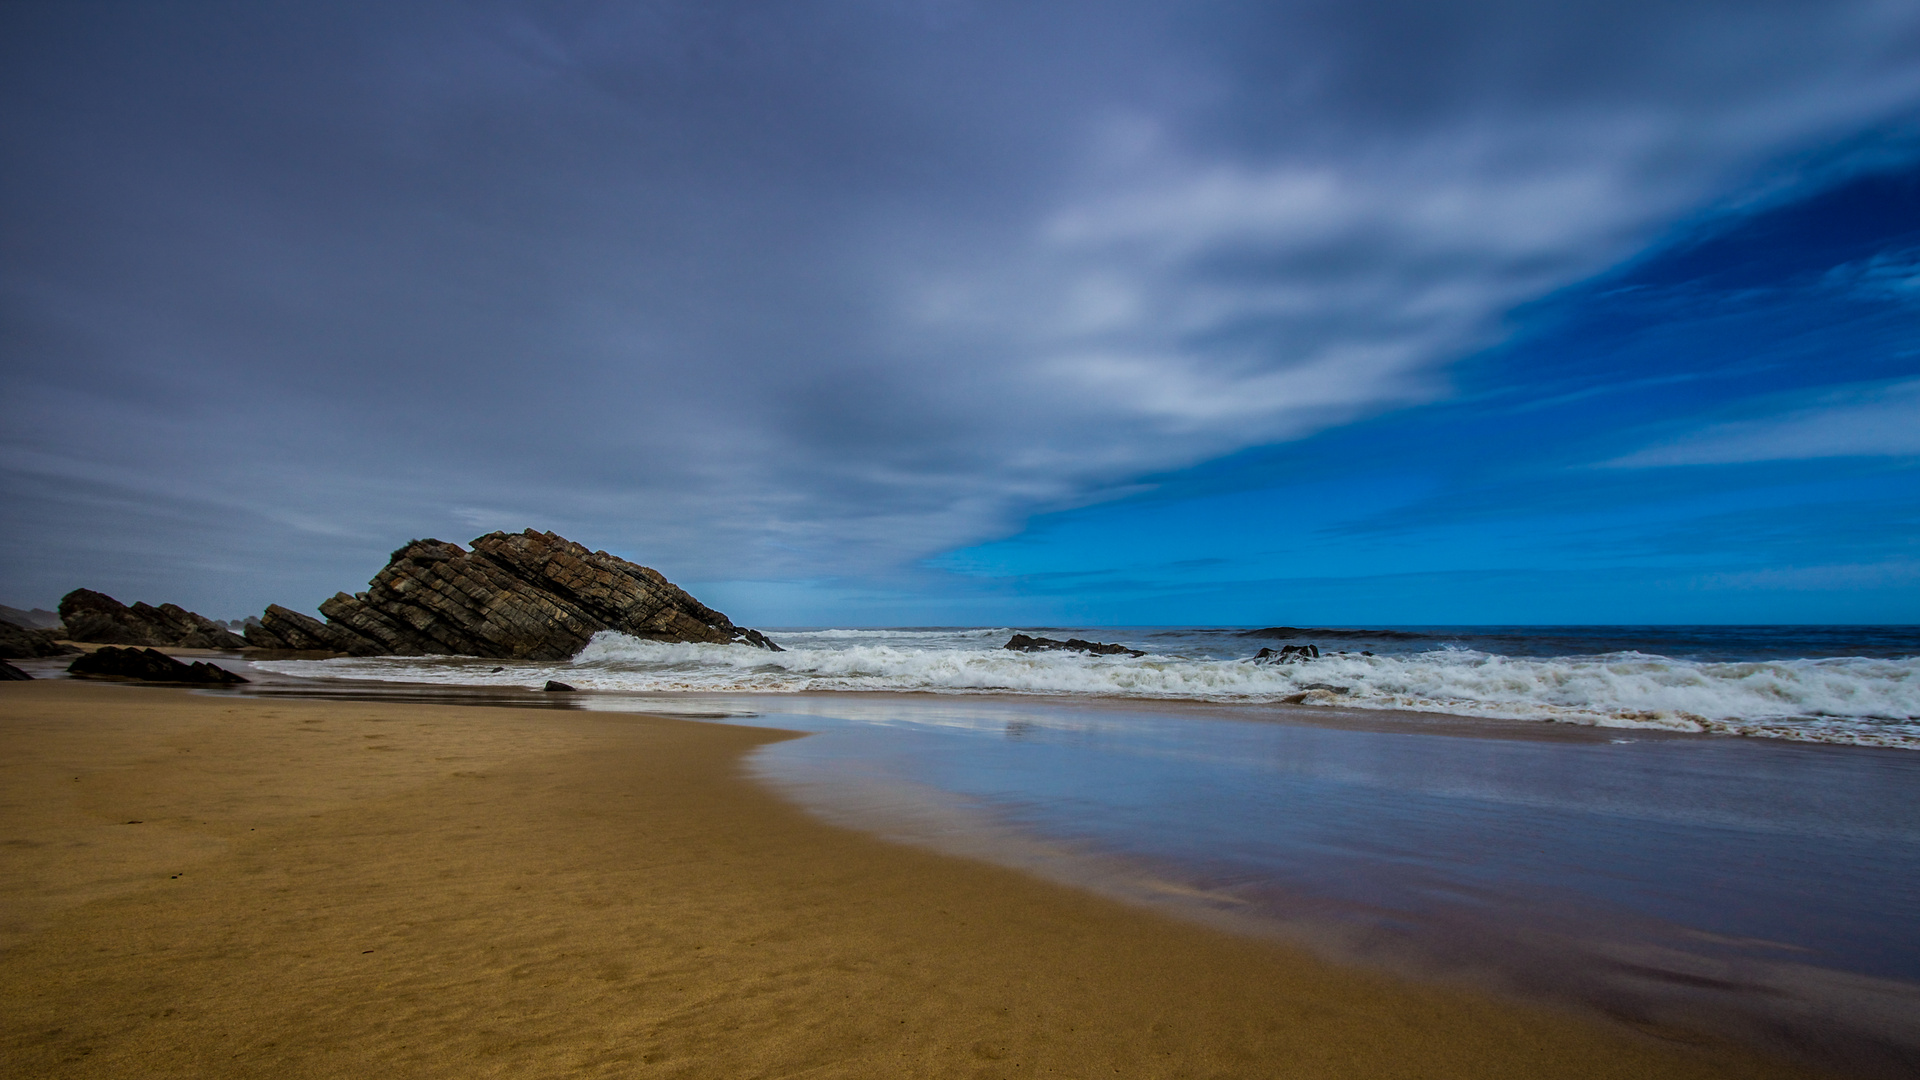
[283,628]
[96,617]
[9,673]
[1023,643]
[148,665]
[23,642]
[527,596]
[1287,654]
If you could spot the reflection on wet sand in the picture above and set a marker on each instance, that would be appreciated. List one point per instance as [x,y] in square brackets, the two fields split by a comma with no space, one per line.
[1675,882]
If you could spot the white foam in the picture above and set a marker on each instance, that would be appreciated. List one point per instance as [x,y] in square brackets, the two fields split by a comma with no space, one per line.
[1845,700]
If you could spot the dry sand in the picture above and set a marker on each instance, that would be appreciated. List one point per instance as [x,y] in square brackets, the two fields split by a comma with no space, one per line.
[358,890]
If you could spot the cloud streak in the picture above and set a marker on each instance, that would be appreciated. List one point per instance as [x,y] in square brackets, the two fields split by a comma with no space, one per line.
[1881,420]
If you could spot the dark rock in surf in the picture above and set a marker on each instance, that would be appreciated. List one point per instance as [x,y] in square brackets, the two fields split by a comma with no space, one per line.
[514,596]
[1328,687]
[9,673]
[555,686]
[1287,654]
[148,665]
[1023,643]
[24,642]
[96,617]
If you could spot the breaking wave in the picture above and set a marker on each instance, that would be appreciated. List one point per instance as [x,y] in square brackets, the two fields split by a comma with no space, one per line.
[1852,700]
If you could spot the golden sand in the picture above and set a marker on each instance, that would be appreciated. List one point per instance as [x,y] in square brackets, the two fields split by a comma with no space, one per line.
[373,890]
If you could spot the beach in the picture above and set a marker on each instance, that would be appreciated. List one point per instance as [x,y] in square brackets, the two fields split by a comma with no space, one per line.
[212,886]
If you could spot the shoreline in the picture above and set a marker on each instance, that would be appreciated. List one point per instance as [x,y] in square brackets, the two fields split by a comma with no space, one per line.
[1334,714]
[426,890]
[1340,717]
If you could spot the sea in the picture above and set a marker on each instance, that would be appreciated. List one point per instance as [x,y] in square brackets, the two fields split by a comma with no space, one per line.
[1854,685]
[1687,829]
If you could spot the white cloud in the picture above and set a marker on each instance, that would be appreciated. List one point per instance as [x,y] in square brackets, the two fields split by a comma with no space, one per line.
[1891,275]
[1881,420]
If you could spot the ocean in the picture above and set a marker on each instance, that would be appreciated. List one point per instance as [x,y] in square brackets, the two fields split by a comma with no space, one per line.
[1855,685]
[1685,828]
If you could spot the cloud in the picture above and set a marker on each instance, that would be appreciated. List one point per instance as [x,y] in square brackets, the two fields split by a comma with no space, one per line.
[1889,275]
[1876,420]
[821,290]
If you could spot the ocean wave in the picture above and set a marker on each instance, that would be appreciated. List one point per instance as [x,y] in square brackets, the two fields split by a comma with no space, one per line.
[1851,700]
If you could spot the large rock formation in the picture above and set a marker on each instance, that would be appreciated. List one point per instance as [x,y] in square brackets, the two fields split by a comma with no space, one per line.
[22,642]
[97,617]
[529,596]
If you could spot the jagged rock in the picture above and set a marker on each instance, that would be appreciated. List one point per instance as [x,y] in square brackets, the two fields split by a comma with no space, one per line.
[283,628]
[1287,654]
[148,665]
[557,686]
[1023,643]
[97,617]
[92,616]
[21,642]
[520,596]
[9,673]
[1328,687]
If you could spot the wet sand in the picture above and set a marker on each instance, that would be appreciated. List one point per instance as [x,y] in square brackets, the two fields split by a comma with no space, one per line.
[195,885]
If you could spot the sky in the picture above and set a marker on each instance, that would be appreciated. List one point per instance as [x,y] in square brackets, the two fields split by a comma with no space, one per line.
[938,312]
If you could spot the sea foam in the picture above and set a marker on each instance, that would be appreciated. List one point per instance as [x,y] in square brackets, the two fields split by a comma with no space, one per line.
[1854,700]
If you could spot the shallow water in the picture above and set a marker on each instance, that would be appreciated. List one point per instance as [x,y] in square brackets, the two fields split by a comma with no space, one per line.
[1756,887]
[1733,884]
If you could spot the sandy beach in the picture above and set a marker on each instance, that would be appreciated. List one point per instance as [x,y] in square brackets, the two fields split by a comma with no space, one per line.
[197,885]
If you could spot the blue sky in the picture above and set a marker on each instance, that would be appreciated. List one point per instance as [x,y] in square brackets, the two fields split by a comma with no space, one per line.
[957,311]
[1726,429]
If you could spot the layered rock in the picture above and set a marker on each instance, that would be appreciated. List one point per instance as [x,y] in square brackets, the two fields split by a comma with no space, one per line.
[283,628]
[96,617]
[528,596]
[23,642]
[149,665]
